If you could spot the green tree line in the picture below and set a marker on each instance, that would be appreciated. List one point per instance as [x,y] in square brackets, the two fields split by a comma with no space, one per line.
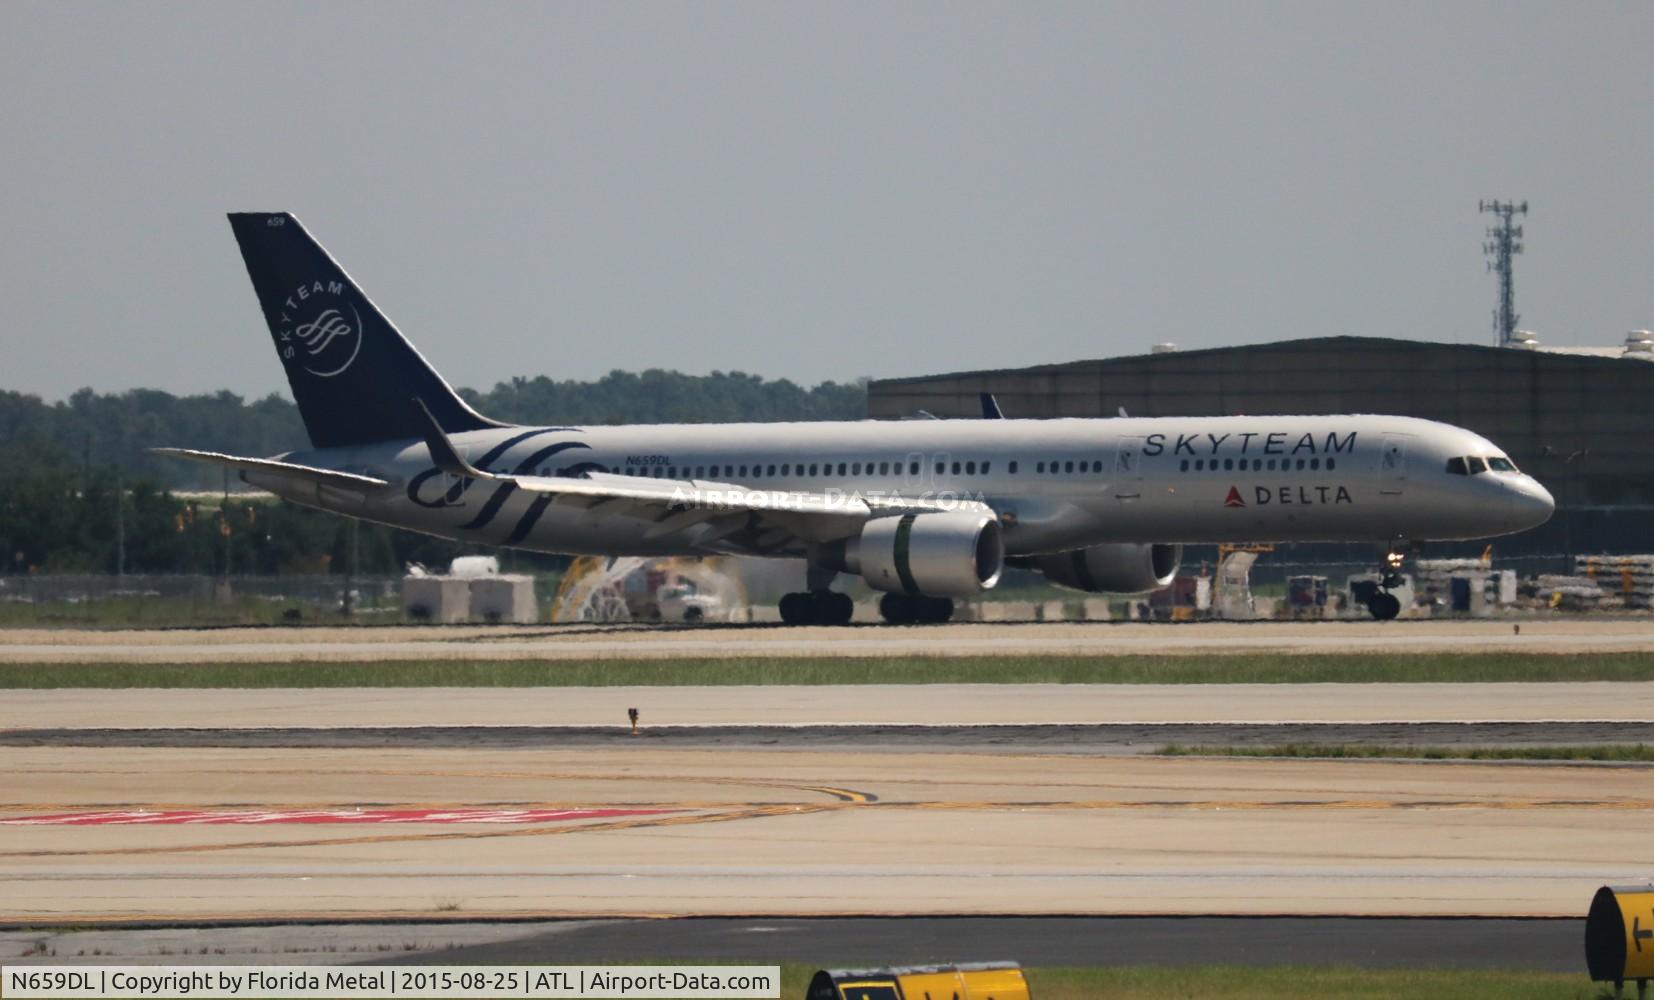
[92,430]
[82,494]
[56,518]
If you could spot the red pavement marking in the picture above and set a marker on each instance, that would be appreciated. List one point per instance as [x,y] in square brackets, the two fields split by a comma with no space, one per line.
[265,816]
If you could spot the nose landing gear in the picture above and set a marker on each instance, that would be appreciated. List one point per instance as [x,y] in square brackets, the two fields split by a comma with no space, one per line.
[1382,604]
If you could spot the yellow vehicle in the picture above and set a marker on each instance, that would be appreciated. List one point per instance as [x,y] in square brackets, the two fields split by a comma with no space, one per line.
[981,981]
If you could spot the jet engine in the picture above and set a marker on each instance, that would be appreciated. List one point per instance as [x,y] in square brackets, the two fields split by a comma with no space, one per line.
[943,554]
[1116,568]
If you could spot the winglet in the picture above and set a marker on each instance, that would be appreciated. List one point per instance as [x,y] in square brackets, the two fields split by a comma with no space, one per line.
[443,453]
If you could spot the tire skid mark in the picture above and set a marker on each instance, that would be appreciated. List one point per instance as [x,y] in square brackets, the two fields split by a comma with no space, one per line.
[483,834]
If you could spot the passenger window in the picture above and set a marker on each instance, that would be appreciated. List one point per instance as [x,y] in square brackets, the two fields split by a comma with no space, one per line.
[1228,464]
[913,470]
[970,468]
[813,468]
[956,468]
[1331,463]
[1012,468]
[855,468]
[1039,466]
[786,469]
[1476,465]
[1257,464]
[1315,463]
[1183,466]
[1300,465]
[940,468]
[1068,466]
[985,468]
[1200,464]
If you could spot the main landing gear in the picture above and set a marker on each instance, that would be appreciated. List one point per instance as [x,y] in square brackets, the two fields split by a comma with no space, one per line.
[817,607]
[913,609]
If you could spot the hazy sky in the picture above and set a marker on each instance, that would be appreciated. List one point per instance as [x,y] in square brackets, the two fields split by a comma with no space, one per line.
[813,190]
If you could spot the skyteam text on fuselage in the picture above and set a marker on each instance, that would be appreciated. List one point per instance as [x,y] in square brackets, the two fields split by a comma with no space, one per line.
[925,510]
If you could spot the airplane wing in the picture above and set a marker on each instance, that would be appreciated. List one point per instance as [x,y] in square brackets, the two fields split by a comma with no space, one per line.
[770,517]
[321,477]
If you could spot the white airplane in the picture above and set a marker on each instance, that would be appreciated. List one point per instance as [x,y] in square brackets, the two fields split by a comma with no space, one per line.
[925,511]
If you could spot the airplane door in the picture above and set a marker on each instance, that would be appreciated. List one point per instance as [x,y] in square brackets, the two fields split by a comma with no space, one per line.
[1128,469]
[1392,465]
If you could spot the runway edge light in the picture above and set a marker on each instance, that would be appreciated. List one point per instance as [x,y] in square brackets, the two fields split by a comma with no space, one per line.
[975,981]
[1619,936]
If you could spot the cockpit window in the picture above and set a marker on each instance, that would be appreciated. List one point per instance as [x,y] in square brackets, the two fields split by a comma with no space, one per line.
[1499,463]
[1476,464]
[1456,467]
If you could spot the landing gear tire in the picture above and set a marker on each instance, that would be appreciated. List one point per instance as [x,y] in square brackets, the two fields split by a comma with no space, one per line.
[1384,607]
[797,609]
[896,609]
[820,607]
[832,607]
[908,609]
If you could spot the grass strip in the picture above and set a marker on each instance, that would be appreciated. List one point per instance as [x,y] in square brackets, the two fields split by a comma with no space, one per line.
[1613,752]
[1231,982]
[1216,982]
[1353,668]
[1234,982]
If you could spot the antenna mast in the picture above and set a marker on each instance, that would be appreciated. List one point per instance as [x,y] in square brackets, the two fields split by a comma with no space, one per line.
[1503,243]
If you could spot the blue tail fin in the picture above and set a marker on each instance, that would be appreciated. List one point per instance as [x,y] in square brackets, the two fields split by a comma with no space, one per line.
[353,375]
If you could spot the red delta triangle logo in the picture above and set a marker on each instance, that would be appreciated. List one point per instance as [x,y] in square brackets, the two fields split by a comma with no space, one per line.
[1234,498]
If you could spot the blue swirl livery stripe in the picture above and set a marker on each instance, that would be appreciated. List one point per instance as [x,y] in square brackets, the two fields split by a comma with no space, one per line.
[491,509]
[493,453]
[530,518]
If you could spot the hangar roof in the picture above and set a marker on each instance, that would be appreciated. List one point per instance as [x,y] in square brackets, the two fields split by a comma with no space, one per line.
[1359,349]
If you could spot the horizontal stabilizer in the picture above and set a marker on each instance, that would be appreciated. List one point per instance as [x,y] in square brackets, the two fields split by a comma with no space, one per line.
[324,477]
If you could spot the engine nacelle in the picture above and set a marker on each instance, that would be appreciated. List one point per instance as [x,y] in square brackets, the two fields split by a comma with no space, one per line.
[1116,568]
[945,554]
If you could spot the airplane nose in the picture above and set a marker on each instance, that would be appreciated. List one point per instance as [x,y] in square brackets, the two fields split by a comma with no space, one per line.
[1532,503]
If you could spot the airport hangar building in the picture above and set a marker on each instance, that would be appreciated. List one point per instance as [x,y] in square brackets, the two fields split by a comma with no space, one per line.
[1580,420]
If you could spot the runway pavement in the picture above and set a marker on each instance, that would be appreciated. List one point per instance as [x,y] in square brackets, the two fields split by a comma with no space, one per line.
[847,705]
[794,802]
[1115,740]
[838,942]
[279,644]
[136,834]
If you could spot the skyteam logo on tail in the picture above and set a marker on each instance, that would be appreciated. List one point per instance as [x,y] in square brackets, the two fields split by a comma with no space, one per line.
[321,330]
